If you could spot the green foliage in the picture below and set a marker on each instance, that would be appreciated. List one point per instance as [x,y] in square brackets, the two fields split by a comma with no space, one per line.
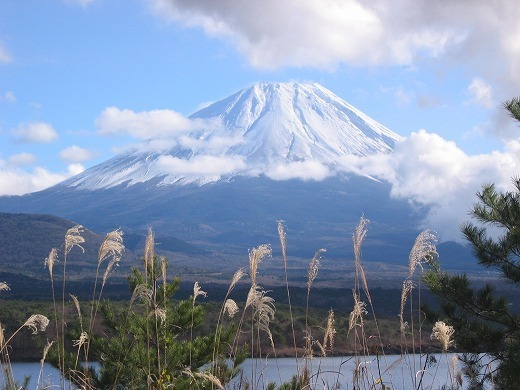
[483,319]
[150,344]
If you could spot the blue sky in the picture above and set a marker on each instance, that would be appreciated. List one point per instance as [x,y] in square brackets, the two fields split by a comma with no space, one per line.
[434,72]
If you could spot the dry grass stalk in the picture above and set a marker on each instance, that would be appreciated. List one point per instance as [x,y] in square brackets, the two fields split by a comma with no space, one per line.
[256,255]
[356,315]
[263,309]
[73,238]
[37,322]
[112,246]
[283,241]
[359,235]
[149,250]
[51,260]
[239,274]
[78,308]
[210,378]
[330,331]
[42,361]
[314,265]
[197,291]
[443,332]
[83,338]
[407,287]
[357,239]
[142,291]
[423,250]
[160,313]
[231,308]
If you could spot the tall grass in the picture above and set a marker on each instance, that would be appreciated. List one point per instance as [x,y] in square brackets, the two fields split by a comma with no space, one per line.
[252,327]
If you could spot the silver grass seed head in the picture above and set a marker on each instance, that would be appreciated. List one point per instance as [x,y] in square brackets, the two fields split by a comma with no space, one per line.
[443,332]
[239,274]
[230,307]
[51,260]
[330,331]
[197,291]
[210,378]
[283,238]
[256,255]
[164,267]
[112,246]
[114,262]
[73,238]
[46,350]
[407,287]
[37,322]
[142,291]
[356,315]
[149,248]
[76,304]
[359,234]
[423,250]
[313,267]
[161,314]
[83,338]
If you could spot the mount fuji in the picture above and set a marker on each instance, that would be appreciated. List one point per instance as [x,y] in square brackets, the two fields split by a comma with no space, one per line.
[274,151]
[268,129]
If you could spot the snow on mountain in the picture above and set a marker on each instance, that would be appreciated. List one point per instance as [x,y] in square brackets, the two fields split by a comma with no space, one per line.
[281,130]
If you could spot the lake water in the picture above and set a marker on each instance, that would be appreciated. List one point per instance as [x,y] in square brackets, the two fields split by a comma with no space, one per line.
[398,372]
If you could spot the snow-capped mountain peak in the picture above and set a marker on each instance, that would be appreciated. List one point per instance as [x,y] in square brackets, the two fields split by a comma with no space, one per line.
[268,128]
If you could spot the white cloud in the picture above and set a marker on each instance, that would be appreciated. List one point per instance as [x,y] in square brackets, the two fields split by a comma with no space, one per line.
[83,3]
[303,170]
[35,132]
[292,33]
[214,144]
[481,92]
[8,97]
[429,170]
[21,159]
[5,56]
[74,169]
[76,154]
[479,35]
[201,165]
[148,124]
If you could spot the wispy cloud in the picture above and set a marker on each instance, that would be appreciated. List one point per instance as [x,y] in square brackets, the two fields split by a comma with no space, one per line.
[302,170]
[17,181]
[76,154]
[35,132]
[481,93]
[21,159]
[201,165]
[8,97]
[148,124]
[5,56]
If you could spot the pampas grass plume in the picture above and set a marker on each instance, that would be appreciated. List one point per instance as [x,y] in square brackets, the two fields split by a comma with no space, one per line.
[231,308]
[112,246]
[51,260]
[313,268]
[443,332]
[73,238]
[37,322]
[256,255]
[423,250]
